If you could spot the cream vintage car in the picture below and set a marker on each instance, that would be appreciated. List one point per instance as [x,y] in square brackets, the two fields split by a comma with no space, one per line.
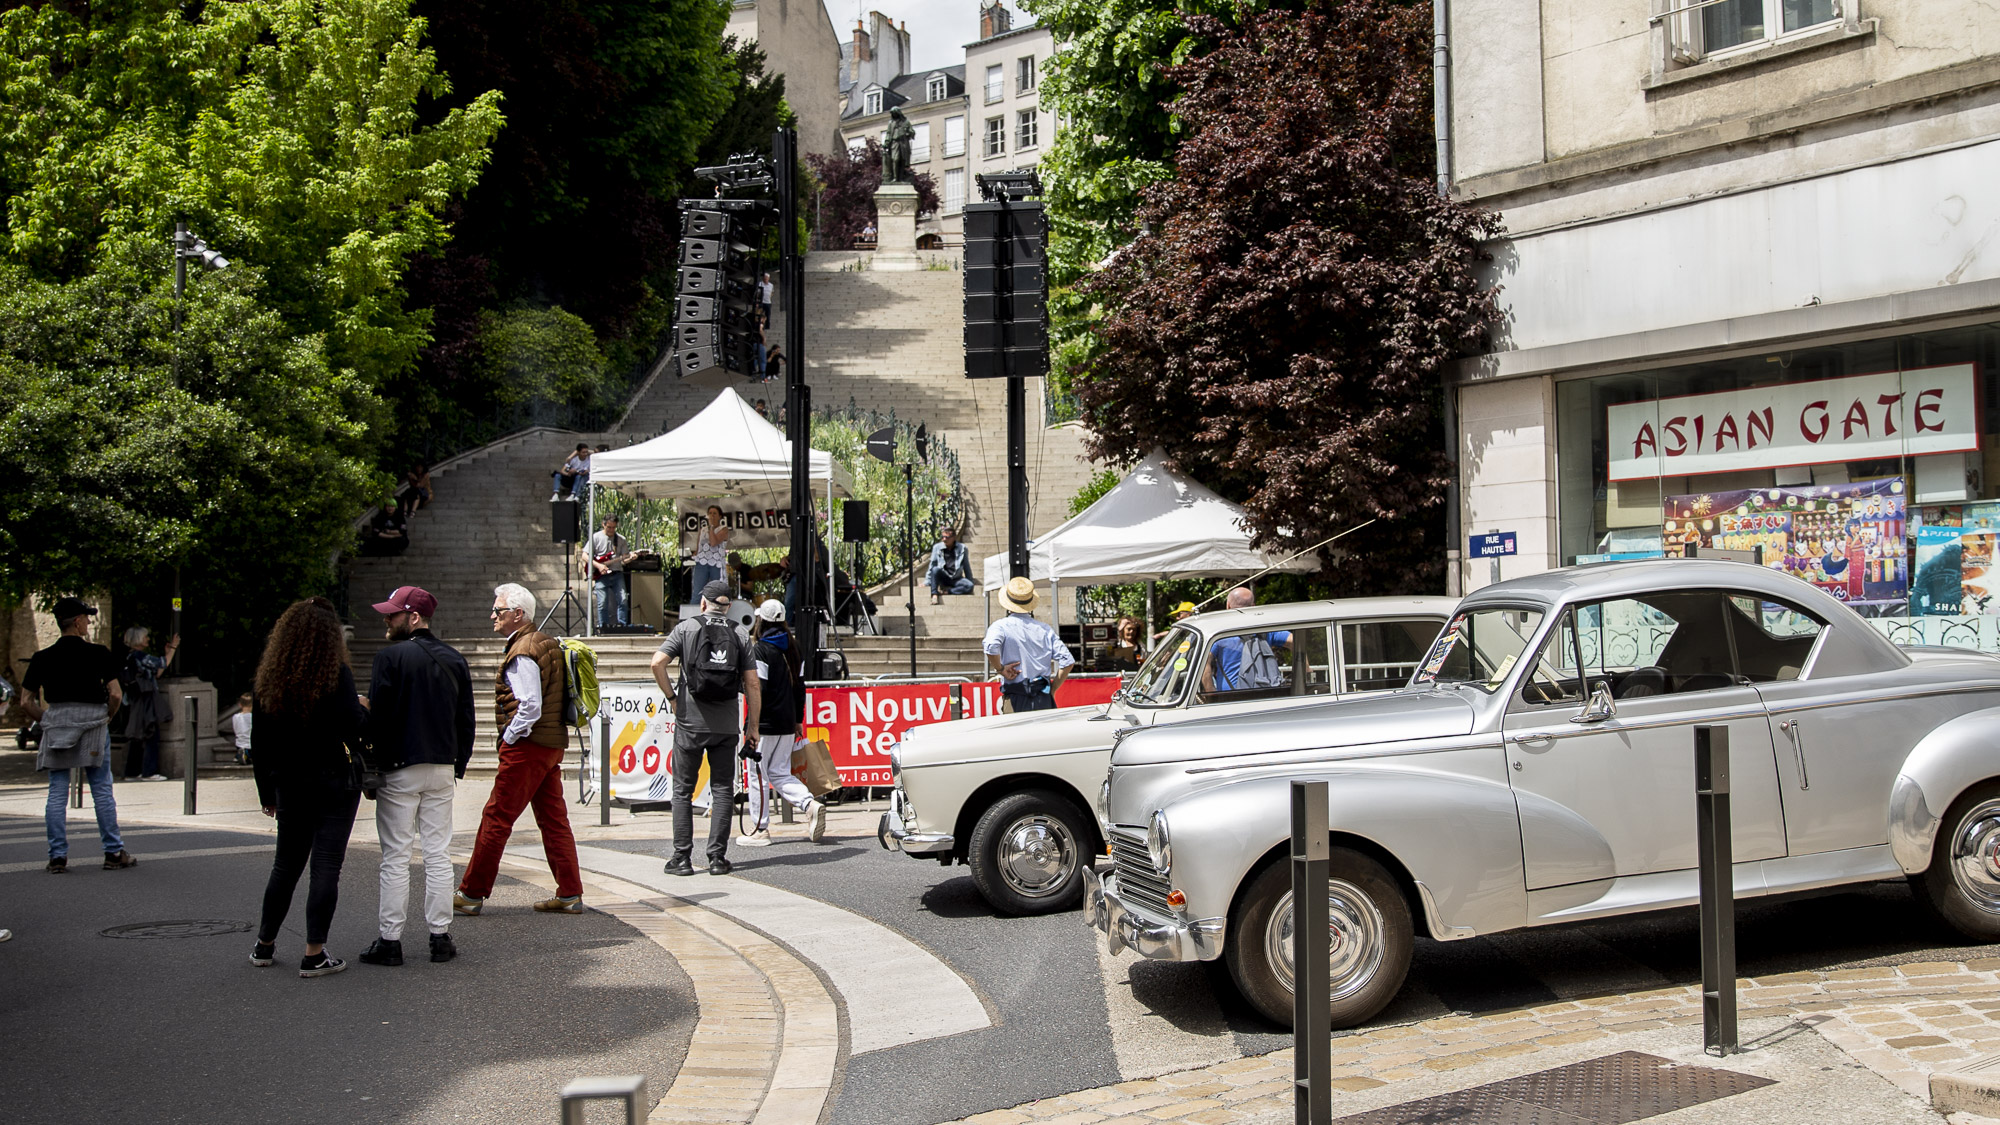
[1539,769]
[1010,795]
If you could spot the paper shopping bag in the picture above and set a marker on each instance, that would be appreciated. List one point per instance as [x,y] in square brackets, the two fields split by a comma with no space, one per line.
[812,763]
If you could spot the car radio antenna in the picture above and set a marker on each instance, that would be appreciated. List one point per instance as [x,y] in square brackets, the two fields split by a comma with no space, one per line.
[1286,559]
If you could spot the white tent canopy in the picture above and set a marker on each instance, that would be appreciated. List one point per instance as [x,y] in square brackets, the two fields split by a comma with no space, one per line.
[1154,524]
[726,450]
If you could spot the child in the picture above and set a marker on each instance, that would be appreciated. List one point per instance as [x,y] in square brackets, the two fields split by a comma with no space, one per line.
[240,723]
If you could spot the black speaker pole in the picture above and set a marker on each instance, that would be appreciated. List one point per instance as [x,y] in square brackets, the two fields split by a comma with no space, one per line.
[798,401]
[1017,472]
[910,553]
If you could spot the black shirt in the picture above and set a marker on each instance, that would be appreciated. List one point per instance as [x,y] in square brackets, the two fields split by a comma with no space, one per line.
[72,670]
[307,754]
[421,696]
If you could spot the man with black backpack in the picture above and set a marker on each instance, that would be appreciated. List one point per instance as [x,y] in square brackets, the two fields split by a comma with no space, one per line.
[718,663]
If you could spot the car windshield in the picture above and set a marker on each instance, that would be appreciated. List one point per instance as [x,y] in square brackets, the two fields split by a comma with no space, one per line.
[1166,673]
[1480,647]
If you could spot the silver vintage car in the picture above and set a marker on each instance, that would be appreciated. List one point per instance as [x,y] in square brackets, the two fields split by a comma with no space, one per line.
[1010,794]
[1539,769]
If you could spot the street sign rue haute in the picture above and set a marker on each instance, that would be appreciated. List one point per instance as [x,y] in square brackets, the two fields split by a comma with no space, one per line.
[1493,544]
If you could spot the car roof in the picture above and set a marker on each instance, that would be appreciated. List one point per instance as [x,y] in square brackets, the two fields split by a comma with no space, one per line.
[1340,609]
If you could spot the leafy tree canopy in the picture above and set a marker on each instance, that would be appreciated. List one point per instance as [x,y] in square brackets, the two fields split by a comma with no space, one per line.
[1279,325]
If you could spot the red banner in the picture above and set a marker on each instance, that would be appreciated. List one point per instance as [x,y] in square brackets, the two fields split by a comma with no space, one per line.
[861,723]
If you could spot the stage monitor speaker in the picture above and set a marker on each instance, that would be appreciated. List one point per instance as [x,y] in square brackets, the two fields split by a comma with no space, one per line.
[566,520]
[854,521]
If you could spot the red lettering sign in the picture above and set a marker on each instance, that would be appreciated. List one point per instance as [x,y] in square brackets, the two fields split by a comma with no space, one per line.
[860,723]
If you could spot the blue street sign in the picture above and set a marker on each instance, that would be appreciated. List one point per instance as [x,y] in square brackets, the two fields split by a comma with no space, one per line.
[1493,544]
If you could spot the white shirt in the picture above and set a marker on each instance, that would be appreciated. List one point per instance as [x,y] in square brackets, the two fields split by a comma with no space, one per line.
[1034,644]
[764,291]
[615,546]
[710,554]
[524,678]
[240,723]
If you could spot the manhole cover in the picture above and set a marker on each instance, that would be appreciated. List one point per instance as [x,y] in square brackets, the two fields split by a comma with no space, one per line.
[206,928]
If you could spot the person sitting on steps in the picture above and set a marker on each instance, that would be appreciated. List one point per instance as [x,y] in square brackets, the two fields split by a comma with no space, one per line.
[950,569]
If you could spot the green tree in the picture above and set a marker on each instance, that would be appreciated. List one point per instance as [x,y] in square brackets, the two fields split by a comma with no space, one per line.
[248,470]
[544,353]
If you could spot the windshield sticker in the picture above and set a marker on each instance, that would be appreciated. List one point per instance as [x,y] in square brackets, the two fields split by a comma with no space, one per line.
[1441,653]
[1180,665]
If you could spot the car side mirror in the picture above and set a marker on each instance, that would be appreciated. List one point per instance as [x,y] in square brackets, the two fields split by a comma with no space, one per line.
[1600,706]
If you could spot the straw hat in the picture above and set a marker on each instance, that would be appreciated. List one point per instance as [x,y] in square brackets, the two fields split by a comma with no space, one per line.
[1019,596]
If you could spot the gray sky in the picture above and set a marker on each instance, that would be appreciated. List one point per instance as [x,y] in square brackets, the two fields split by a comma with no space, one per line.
[939,29]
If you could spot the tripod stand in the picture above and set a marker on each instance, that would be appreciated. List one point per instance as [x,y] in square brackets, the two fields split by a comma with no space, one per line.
[567,605]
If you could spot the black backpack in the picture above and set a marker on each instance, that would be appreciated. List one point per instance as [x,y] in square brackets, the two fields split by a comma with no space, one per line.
[715,675]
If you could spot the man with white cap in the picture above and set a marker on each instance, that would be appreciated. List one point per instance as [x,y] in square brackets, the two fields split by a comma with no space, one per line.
[1028,653]
[781,726]
[717,667]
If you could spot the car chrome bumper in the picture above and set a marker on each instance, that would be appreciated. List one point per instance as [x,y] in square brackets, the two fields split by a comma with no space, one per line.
[894,835]
[1154,939]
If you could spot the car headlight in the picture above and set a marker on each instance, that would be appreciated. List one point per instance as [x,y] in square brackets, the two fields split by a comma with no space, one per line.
[1104,801]
[895,759]
[1159,848]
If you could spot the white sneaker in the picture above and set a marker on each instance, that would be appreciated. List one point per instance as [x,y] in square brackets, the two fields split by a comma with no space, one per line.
[155,777]
[555,496]
[817,812]
[760,839]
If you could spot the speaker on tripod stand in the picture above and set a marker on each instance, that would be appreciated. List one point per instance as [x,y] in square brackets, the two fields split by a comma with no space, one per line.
[566,528]
[854,528]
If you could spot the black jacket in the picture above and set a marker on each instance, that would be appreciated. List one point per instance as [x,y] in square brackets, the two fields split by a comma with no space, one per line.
[420,705]
[306,756]
[784,704]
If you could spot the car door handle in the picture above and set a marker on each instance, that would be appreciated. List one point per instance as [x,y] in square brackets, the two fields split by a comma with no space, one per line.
[1525,739]
[1791,729]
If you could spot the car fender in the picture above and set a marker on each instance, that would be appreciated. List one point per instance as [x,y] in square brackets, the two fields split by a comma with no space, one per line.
[1452,831]
[1960,753]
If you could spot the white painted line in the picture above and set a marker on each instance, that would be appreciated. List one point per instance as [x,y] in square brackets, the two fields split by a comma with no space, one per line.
[894,990]
[91,857]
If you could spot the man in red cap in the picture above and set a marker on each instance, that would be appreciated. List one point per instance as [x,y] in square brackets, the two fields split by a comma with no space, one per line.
[420,720]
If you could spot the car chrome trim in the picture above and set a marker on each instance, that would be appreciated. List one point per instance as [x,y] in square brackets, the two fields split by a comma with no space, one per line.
[1663,890]
[1791,729]
[1007,757]
[1317,756]
[1681,719]
[894,834]
[1912,825]
[1155,939]
[925,843]
[1849,698]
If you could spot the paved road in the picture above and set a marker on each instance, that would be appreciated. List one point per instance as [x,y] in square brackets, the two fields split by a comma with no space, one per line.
[186,1030]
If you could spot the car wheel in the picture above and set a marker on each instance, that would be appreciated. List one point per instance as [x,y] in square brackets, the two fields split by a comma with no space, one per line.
[1962,884]
[1027,853]
[1371,931]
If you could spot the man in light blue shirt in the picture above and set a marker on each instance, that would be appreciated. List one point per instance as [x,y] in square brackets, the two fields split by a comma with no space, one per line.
[950,571]
[1028,654]
[1247,662]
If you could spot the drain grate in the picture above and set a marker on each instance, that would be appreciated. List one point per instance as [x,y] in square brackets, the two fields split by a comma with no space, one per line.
[207,928]
[1628,1086]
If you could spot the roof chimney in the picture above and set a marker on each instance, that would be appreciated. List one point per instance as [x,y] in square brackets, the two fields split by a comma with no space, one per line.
[994,19]
[861,49]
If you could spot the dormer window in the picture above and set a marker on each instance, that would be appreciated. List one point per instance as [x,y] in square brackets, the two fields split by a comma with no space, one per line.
[871,101]
[934,90]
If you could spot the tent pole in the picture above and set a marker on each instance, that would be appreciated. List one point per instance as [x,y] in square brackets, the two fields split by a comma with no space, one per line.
[589,597]
[1149,616]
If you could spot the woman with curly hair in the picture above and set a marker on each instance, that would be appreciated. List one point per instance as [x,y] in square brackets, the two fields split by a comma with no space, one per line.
[304,715]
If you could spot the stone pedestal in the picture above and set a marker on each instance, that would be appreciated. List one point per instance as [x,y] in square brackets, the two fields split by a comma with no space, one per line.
[896,228]
[173,735]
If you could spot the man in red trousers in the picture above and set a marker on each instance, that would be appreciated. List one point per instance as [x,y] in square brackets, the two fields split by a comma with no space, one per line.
[529,695]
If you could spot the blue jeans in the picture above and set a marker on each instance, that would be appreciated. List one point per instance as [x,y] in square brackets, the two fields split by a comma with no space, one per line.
[703,575]
[100,796]
[959,585]
[613,607]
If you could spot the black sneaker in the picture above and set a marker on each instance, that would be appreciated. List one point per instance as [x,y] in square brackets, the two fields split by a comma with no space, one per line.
[320,965]
[264,954]
[678,865]
[115,860]
[720,866]
[61,866]
[442,948]
[383,953]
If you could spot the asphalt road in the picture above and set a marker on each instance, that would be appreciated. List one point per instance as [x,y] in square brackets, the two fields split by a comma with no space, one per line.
[168,1030]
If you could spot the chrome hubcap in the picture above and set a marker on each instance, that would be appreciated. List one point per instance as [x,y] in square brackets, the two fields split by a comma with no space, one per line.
[1975,856]
[1037,855]
[1354,925]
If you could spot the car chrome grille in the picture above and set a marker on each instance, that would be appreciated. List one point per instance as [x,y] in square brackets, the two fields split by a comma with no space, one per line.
[1138,883]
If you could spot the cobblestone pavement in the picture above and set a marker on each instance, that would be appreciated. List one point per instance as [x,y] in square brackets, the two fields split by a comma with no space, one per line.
[1902,1023]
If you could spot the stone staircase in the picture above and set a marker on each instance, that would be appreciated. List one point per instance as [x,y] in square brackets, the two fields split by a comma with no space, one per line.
[886,341]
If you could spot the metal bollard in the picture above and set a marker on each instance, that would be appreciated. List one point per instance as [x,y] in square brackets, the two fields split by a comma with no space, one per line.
[630,1088]
[189,705]
[1312,1015]
[76,780]
[603,781]
[1718,891]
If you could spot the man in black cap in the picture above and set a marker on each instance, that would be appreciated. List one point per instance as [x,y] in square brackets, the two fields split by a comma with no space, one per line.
[718,663]
[72,688]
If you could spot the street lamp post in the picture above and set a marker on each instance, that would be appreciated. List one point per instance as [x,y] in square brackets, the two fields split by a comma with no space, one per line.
[186,247]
